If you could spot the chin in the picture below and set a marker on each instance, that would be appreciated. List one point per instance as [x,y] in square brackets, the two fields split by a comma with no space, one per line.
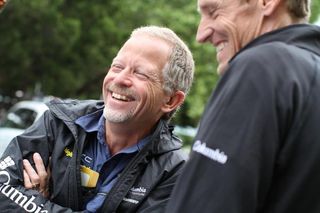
[222,68]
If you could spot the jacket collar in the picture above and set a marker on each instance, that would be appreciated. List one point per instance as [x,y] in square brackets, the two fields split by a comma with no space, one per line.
[162,139]
[305,36]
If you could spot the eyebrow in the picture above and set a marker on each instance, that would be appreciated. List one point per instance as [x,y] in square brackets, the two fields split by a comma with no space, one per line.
[116,59]
[208,5]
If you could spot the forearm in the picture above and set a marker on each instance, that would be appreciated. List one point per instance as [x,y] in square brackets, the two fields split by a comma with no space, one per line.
[14,199]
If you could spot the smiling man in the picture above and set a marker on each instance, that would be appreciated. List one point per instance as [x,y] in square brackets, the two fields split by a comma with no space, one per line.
[118,155]
[257,149]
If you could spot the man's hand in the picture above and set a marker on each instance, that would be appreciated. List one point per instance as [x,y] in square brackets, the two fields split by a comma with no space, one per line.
[39,179]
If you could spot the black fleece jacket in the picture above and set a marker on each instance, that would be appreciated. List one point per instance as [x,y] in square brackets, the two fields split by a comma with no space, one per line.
[144,186]
[258,144]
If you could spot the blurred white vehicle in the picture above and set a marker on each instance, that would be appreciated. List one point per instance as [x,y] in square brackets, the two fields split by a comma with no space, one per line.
[20,116]
[188,131]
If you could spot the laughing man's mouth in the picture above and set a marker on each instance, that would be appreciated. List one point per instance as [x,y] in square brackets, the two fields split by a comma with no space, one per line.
[120,97]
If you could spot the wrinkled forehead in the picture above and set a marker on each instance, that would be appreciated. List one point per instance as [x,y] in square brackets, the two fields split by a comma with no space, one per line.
[215,4]
[146,44]
[146,50]
[206,4]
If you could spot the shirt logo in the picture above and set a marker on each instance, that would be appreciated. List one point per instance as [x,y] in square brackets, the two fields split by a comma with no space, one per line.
[140,191]
[87,158]
[6,163]
[68,152]
[130,200]
[213,154]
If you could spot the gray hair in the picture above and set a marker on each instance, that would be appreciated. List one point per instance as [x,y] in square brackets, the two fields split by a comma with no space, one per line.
[179,70]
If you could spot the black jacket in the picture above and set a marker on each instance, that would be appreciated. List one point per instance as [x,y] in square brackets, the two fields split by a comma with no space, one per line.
[144,185]
[258,144]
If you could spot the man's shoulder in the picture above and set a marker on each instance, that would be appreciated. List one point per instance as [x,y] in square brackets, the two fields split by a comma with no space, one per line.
[269,60]
[263,53]
[169,161]
[74,108]
[73,102]
[168,148]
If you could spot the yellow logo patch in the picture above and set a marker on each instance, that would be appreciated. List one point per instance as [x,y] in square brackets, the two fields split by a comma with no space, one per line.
[68,152]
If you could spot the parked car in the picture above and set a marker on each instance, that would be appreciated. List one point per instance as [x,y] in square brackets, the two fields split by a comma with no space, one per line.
[19,117]
[187,134]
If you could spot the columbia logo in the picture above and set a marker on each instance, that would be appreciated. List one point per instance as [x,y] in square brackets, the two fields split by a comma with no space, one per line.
[130,200]
[6,163]
[140,191]
[214,154]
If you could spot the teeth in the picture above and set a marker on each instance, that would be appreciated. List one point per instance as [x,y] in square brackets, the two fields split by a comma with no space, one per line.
[120,97]
[220,46]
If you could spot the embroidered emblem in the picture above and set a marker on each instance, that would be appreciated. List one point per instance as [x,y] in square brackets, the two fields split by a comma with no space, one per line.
[68,152]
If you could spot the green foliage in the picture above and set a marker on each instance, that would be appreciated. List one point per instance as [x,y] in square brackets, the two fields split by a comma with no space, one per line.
[315,10]
[67,45]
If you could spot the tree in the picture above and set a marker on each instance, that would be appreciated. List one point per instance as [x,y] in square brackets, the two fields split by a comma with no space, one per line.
[66,46]
[315,11]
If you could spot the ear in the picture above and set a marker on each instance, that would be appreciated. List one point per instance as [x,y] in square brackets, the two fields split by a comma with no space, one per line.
[269,6]
[173,102]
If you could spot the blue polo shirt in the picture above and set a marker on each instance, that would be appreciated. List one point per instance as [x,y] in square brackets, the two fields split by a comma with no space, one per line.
[97,157]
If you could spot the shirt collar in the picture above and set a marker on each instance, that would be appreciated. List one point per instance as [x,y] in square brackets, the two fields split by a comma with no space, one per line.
[91,122]
[95,122]
[136,147]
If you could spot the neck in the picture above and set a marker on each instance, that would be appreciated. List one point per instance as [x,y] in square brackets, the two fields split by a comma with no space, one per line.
[119,135]
[279,19]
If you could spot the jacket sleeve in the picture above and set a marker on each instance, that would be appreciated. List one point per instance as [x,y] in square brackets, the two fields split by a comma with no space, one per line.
[13,196]
[159,196]
[233,158]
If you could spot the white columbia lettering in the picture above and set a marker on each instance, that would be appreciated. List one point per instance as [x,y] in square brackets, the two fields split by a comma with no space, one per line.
[130,200]
[214,154]
[25,202]
[6,163]
[140,191]
[22,200]
[4,177]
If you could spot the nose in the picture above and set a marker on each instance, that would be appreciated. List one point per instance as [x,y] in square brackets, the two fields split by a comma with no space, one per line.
[123,78]
[204,31]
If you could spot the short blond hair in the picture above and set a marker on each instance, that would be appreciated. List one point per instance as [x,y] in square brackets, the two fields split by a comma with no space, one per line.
[300,8]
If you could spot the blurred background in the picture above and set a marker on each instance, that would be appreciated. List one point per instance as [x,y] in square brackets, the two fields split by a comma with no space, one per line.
[63,48]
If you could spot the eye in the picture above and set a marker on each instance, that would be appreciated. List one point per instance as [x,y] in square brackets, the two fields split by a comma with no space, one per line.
[213,13]
[116,67]
[211,10]
[142,75]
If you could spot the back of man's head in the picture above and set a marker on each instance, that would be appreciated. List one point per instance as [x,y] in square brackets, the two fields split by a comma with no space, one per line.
[299,9]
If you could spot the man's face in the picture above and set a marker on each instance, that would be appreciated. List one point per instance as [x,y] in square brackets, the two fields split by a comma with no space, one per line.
[228,25]
[132,88]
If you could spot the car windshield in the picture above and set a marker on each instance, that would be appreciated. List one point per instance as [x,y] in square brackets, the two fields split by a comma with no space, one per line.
[20,119]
